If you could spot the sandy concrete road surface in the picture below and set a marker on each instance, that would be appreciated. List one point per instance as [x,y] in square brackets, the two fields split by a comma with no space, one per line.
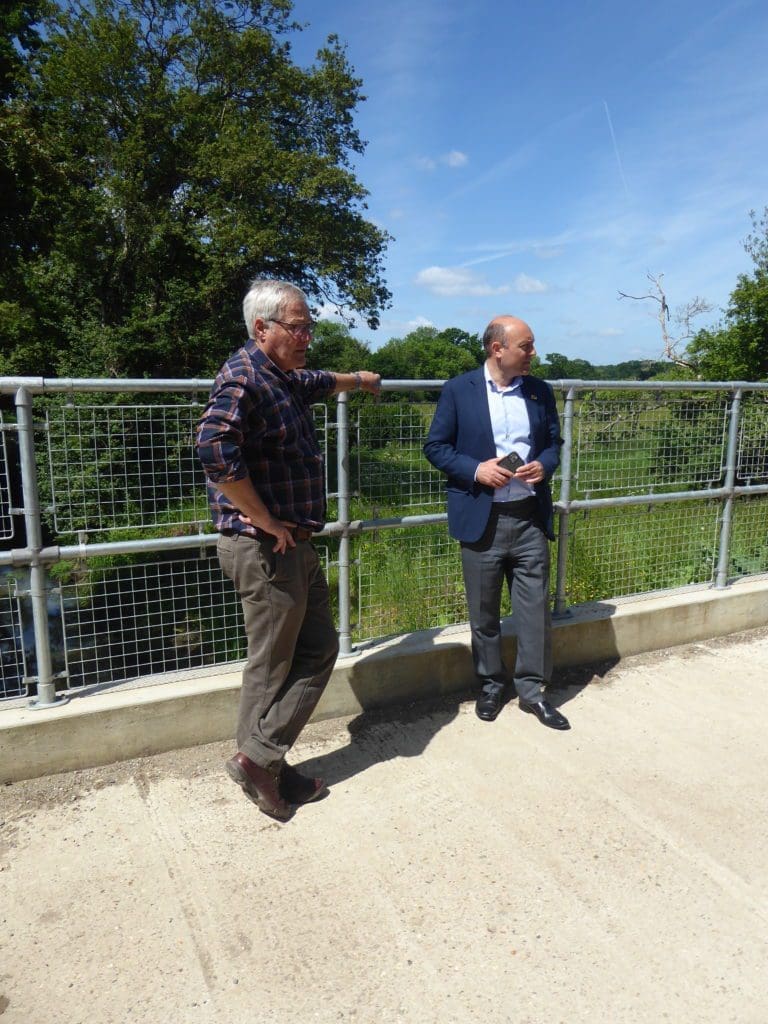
[458,871]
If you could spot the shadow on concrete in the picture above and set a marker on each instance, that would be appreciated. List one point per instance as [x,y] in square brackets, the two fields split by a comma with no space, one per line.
[569,681]
[383,734]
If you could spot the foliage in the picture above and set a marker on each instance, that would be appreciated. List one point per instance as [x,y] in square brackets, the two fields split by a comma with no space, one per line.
[737,348]
[560,367]
[18,36]
[162,153]
[615,552]
[333,348]
[428,354]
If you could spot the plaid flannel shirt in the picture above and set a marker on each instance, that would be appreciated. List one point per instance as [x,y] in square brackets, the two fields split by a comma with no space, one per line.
[258,423]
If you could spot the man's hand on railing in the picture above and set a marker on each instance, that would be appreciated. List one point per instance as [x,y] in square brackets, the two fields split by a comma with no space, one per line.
[360,380]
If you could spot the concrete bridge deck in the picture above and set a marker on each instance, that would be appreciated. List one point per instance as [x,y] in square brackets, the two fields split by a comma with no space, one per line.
[457,871]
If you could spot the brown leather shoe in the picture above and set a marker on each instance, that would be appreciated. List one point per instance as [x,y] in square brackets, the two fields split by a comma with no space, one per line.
[260,785]
[296,788]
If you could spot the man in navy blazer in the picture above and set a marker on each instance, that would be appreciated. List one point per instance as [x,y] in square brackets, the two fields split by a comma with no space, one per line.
[503,516]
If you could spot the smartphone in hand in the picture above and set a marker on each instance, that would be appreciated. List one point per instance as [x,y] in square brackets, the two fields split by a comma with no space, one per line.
[512,462]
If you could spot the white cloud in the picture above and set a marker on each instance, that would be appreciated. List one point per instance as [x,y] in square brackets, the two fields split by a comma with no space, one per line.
[525,285]
[453,159]
[456,281]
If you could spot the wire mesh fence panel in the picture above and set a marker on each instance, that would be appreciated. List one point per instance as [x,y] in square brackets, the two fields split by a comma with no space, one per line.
[648,442]
[105,467]
[6,499]
[616,552]
[749,537]
[393,476]
[407,580]
[127,619]
[13,668]
[752,465]
[323,433]
[123,467]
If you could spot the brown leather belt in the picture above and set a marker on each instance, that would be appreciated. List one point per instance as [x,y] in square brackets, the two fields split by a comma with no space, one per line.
[298,533]
[301,533]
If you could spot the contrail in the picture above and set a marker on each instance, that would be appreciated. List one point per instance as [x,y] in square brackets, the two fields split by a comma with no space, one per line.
[616,150]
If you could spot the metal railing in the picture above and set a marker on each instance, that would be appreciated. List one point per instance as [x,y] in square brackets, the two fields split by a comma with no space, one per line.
[109,572]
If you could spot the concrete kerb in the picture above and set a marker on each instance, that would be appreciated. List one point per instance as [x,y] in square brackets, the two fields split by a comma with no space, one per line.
[117,724]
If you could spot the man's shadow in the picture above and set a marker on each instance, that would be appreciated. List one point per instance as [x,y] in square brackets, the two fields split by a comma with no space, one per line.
[406,729]
[569,680]
[394,722]
[382,734]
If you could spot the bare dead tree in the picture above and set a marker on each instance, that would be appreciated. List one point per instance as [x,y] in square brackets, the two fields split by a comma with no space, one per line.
[683,317]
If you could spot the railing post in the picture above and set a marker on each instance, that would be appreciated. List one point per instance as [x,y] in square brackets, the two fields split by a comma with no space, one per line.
[38,592]
[342,461]
[565,498]
[731,456]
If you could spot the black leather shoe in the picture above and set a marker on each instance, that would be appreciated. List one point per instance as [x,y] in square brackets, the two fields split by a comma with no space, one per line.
[488,705]
[546,714]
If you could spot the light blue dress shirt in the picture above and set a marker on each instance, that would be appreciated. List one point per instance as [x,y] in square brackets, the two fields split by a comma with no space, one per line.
[511,431]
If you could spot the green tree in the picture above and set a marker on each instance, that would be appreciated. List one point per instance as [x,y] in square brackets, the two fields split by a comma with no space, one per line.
[333,348]
[427,354]
[18,35]
[737,348]
[560,367]
[167,151]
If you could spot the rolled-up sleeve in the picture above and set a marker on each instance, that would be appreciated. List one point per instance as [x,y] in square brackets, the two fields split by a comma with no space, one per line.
[220,433]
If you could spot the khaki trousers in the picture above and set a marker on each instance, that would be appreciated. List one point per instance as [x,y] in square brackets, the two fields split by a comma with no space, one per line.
[292,642]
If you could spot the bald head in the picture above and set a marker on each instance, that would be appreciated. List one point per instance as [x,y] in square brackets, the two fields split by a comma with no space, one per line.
[503,329]
[509,348]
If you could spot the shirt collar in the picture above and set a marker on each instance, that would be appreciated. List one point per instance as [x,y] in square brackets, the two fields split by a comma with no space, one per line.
[262,360]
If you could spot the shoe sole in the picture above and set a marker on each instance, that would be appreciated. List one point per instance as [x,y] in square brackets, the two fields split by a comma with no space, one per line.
[487,718]
[238,775]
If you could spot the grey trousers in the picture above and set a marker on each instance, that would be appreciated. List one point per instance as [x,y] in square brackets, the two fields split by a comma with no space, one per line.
[292,642]
[516,551]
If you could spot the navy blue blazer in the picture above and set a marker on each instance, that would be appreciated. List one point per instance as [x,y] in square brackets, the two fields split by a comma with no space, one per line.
[461,437]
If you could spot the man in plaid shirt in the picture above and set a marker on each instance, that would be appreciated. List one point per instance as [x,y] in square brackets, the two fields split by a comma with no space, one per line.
[266,487]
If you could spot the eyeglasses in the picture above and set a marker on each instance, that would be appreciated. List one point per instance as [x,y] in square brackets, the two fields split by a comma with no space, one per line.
[296,330]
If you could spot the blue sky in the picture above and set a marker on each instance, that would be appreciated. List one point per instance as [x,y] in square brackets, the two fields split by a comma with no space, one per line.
[535,158]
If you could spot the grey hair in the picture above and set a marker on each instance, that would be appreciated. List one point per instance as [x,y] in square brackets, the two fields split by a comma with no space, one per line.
[267,300]
[495,331]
